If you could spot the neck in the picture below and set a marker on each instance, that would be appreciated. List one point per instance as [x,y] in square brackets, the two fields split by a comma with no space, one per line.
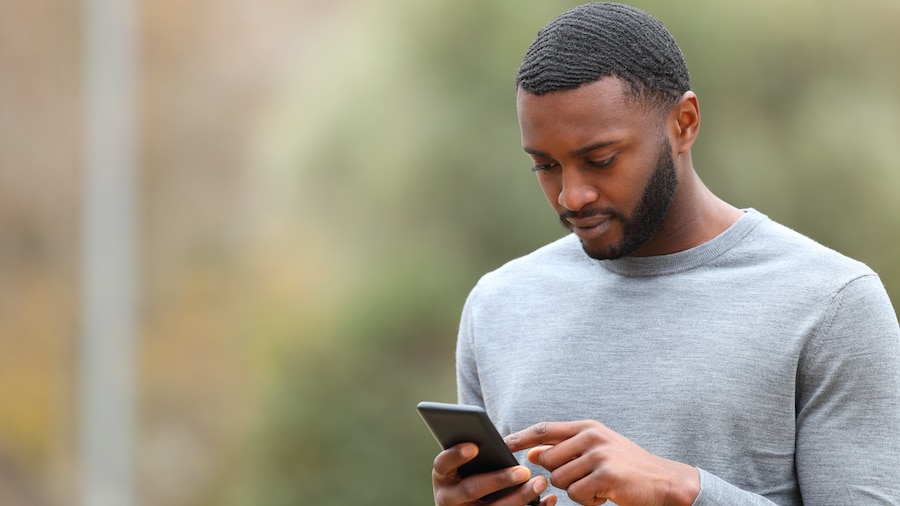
[695,217]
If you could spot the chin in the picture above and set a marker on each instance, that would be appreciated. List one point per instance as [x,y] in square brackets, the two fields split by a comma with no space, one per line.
[604,252]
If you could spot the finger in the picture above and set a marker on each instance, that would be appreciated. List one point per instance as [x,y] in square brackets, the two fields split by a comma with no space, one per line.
[477,486]
[536,488]
[587,490]
[553,457]
[570,474]
[447,463]
[529,493]
[534,455]
[542,433]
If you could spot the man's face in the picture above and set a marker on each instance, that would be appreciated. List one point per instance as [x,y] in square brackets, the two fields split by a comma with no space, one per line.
[604,164]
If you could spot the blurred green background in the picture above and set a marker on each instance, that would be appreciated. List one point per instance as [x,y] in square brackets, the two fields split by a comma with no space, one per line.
[321,183]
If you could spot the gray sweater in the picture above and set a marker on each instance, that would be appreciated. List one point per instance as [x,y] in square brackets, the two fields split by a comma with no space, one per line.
[766,360]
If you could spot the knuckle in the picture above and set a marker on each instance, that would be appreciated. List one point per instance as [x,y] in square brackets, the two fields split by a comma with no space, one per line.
[441,497]
[446,464]
[436,464]
[470,490]
[437,477]
[439,468]
[541,428]
[503,480]
[557,482]
[587,492]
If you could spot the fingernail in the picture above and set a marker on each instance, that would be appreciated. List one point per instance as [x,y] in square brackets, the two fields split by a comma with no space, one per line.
[520,474]
[467,451]
[539,486]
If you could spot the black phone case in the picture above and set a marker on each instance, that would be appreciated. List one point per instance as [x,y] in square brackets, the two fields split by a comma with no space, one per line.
[451,424]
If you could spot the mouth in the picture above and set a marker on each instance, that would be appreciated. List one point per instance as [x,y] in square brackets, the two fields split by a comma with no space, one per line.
[590,227]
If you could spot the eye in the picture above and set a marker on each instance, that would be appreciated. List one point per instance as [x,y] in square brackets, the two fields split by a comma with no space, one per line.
[602,163]
[547,167]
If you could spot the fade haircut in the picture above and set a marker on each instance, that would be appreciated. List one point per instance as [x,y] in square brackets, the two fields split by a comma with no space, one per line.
[602,39]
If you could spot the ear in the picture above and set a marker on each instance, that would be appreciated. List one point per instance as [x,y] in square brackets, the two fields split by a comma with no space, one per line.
[684,120]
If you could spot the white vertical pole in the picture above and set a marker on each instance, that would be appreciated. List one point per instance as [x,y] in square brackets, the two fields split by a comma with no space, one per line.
[109,293]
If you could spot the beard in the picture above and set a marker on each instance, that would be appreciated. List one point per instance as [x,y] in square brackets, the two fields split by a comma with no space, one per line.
[648,216]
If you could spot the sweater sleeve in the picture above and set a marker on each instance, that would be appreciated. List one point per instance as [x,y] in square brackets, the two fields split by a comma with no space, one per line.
[848,405]
[467,382]
[715,491]
[848,408]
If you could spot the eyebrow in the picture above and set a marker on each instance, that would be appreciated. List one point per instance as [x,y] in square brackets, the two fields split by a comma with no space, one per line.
[578,152]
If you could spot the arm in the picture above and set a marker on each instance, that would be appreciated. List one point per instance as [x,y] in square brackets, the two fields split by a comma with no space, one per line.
[848,405]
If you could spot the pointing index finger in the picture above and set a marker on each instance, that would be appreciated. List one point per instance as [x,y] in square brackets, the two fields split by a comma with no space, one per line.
[544,433]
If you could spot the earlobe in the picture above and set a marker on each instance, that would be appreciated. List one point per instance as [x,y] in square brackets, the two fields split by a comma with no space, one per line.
[686,121]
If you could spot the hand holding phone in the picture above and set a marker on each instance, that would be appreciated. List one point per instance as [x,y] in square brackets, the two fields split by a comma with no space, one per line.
[452,424]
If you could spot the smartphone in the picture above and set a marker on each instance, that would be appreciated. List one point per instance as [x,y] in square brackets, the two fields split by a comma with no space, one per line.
[451,424]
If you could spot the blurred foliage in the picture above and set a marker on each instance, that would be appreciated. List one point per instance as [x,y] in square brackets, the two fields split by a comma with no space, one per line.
[422,138]
[322,183]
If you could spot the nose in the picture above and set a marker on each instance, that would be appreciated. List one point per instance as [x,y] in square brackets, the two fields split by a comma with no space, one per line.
[577,190]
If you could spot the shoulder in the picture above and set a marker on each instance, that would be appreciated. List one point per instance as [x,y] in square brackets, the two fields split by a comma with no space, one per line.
[558,257]
[552,265]
[792,252]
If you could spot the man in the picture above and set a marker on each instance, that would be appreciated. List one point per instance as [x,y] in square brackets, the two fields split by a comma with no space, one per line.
[673,349]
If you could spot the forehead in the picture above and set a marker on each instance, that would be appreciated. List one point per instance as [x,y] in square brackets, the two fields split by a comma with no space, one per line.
[599,111]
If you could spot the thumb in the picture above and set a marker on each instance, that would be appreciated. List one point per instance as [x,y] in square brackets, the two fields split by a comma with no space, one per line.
[534,454]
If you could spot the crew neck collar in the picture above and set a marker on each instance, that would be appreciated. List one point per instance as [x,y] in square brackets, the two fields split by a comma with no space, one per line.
[688,259]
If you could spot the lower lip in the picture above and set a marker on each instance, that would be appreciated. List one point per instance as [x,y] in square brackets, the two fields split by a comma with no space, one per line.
[586,233]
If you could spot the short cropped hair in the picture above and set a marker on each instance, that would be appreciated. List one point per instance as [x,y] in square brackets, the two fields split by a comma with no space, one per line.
[602,39]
